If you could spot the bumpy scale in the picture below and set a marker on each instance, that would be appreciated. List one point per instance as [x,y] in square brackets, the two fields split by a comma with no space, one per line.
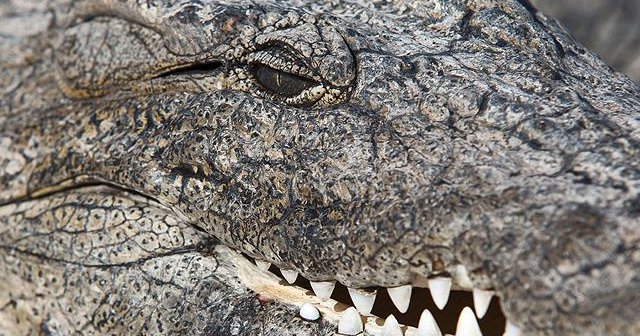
[143,144]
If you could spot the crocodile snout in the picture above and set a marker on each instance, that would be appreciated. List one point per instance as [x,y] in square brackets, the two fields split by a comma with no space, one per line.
[574,272]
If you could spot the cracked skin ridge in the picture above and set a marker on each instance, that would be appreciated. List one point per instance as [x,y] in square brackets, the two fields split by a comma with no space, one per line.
[136,138]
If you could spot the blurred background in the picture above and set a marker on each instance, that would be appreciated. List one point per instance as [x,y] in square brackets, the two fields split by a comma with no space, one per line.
[611,28]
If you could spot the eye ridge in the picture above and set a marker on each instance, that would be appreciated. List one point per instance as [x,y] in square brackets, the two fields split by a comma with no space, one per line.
[280,82]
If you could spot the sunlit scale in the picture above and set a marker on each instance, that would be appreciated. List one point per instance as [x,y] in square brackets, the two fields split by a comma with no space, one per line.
[406,310]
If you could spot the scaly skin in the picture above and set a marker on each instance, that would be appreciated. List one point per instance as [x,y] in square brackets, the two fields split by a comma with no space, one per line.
[432,134]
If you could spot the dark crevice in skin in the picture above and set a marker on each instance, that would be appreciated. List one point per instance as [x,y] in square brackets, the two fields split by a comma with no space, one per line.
[90,18]
[11,303]
[90,184]
[484,103]
[37,194]
[634,206]
[534,15]
[114,14]
[193,69]
[356,66]
[465,27]
[201,247]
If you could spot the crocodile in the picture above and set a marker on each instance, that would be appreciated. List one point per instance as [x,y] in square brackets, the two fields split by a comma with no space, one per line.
[203,167]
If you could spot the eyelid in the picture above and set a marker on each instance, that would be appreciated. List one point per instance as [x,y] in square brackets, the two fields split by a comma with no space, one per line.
[280,58]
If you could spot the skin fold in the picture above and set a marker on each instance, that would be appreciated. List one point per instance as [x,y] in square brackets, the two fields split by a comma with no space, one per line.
[143,142]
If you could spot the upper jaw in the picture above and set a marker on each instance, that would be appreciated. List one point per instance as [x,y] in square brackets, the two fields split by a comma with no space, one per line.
[568,274]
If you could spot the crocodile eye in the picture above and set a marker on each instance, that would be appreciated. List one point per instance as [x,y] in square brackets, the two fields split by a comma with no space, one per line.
[280,82]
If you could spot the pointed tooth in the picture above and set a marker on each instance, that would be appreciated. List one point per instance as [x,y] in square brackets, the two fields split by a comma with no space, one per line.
[263,265]
[290,276]
[401,297]
[467,324]
[511,330]
[428,325]
[323,289]
[391,327]
[350,322]
[440,289]
[309,312]
[362,300]
[481,301]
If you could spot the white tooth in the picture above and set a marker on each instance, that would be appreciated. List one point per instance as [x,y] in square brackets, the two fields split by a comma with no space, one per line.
[467,324]
[323,289]
[309,312]
[391,327]
[401,297]
[428,325]
[362,300]
[350,322]
[481,301]
[440,289]
[263,265]
[290,276]
[511,330]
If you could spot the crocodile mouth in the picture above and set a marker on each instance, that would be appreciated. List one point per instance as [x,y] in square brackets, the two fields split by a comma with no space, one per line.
[433,307]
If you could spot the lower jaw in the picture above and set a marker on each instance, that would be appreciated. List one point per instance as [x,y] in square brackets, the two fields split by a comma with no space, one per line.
[457,317]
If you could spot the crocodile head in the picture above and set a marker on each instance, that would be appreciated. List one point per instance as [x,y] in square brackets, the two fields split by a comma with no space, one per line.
[373,144]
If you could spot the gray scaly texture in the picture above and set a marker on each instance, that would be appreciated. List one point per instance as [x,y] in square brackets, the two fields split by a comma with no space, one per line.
[366,142]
